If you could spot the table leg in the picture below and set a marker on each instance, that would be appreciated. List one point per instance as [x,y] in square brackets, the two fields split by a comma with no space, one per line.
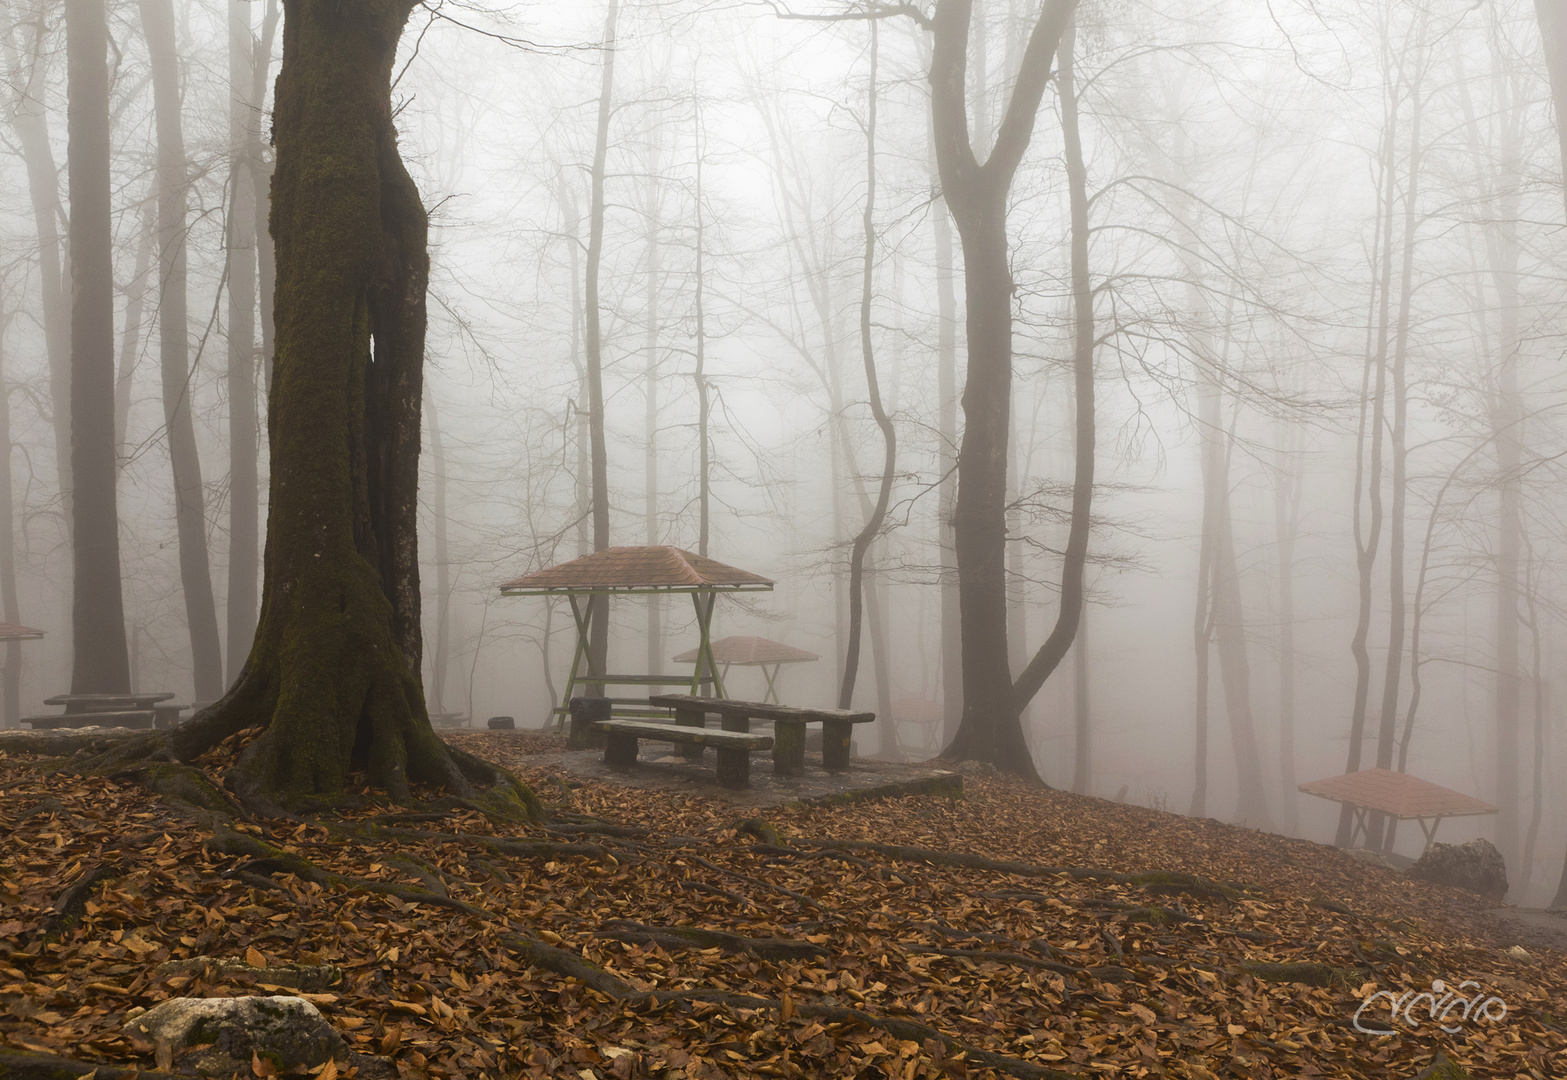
[736,723]
[788,747]
[835,744]
[692,719]
[734,767]
[620,751]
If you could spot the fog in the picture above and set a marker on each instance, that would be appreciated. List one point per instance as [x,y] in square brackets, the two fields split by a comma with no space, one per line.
[1326,252]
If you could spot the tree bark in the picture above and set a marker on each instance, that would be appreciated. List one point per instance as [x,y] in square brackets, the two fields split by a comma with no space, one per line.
[990,729]
[1082,728]
[333,670]
[1553,36]
[599,605]
[1368,475]
[652,535]
[947,461]
[244,488]
[1286,520]
[878,515]
[101,663]
[130,335]
[441,659]
[11,678]
[190,517]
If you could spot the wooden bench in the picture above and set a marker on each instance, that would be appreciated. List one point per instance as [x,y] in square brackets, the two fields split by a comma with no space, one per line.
[789,723]
[734,748]
[133,718]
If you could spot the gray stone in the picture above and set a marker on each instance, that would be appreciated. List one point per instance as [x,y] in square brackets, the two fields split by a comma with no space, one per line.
[1476,866]
[220,1035]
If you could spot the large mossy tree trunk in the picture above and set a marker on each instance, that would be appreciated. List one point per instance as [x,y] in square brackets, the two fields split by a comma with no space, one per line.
[333,671]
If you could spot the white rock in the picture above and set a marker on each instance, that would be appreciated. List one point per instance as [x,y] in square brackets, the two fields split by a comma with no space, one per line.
[223,1033]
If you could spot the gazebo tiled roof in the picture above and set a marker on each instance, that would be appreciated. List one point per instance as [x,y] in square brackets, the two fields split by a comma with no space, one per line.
[13,632]
[638,569]
[1397,794]
[750,651]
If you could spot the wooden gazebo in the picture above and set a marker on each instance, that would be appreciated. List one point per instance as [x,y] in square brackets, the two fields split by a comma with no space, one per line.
[1399,796]
[752,652]
[638,571]
[13,632]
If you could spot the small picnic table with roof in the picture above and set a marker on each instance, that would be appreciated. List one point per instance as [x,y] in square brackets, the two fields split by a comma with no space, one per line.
[637,571]
[753,652]
[1399,796]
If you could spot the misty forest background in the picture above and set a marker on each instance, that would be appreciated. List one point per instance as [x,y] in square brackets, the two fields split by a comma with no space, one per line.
[1329,266]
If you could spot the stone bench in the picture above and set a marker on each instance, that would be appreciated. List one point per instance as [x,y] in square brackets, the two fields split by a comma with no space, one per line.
[734,748]
[789,724]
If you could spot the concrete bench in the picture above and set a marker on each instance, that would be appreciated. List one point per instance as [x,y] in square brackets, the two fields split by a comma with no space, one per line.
[734,748]
[789,723]
[134,718]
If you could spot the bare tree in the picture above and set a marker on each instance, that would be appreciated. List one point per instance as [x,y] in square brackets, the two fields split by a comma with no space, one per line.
[174,353]
[101,663]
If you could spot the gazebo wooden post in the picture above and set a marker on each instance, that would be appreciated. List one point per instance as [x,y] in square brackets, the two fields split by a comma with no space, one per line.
[770,673]
[579,615]
[703,602]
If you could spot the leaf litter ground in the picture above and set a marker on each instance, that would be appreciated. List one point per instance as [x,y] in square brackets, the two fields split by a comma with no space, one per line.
[644,934]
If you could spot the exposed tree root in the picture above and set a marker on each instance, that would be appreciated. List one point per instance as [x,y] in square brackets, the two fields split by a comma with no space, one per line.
[14,1066]
[690,937]
[570,965]
[266,859]
[1309,974]
[72,901]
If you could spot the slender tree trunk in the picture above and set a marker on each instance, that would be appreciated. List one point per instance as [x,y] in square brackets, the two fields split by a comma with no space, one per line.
[1229,631]
[201,614]
[1537,686]
[655,607]
[1552,18]
[11,678]
[244,488]
[443,586]
[1286,520]
[29,118]
[101,664]
[704,477]
[599,606]
[873,522]
[1368,475]
[130,337]
[990,729]
[572,227]
[1083,758]
[1397,613]
[947,461]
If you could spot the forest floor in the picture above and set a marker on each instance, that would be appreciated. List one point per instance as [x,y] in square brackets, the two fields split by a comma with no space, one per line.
[1011,932]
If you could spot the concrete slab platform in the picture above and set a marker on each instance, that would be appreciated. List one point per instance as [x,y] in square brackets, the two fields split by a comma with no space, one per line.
[660,769]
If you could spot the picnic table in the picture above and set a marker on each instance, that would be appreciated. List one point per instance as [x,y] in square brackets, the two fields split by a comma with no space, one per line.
[108,710]
[789,723]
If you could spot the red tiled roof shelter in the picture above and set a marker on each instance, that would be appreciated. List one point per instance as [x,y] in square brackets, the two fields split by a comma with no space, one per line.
[13,632]
[637,569]
[646,571]
[753,652]
[1397,795]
